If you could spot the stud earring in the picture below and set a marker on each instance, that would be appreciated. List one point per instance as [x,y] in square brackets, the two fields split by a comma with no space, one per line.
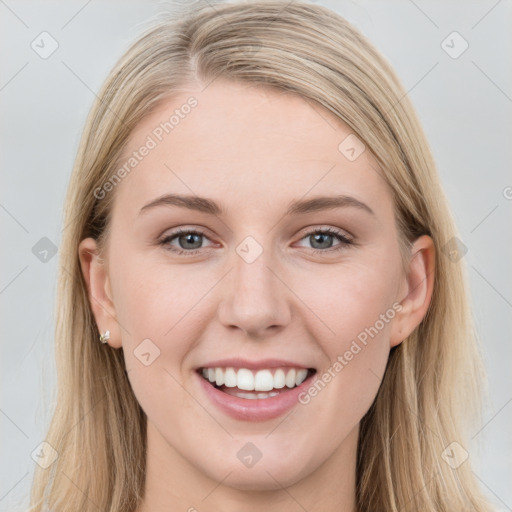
[105,337]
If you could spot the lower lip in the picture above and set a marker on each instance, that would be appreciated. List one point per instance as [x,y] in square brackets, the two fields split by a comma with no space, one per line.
[259,409]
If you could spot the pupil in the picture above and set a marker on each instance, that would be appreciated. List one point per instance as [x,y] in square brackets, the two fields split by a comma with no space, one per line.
[321,235]
[190,239]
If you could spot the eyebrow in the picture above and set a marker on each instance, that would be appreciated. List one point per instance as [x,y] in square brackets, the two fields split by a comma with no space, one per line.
[205,205]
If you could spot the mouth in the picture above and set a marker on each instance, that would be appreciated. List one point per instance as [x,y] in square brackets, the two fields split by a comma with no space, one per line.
[253,384]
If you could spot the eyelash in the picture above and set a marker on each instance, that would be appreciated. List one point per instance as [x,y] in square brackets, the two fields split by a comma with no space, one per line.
[329,231]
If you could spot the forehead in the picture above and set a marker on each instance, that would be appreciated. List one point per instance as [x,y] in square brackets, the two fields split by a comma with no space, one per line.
[246,145]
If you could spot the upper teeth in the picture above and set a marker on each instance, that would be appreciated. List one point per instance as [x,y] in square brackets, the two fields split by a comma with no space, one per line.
[262,380]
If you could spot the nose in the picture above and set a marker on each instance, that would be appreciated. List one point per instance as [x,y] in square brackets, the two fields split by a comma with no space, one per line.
[255,298]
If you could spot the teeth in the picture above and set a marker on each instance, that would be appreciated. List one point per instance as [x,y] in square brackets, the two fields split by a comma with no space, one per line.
[219,377]
[261,380]
[254,396]
[279,379]
[290,378]
[300,376]
[245,380]
[230,379]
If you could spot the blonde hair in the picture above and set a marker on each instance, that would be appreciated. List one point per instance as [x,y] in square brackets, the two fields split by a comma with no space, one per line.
[430,391]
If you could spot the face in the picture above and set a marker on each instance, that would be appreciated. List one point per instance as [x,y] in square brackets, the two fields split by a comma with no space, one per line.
[254,281]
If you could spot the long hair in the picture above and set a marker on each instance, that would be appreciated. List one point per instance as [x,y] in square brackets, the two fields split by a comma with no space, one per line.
[429,395]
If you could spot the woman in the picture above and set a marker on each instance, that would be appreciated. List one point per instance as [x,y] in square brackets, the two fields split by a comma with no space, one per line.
[313,348]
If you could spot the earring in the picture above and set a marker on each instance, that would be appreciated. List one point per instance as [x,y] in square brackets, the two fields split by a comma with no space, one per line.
[105,337]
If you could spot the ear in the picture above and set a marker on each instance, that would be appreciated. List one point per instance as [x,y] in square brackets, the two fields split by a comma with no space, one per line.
[416,293]
[99,290]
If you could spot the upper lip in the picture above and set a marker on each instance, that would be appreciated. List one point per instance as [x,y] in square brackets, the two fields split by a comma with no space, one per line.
[253,365]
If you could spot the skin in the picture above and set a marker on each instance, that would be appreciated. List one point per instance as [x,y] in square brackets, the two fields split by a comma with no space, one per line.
[253,150]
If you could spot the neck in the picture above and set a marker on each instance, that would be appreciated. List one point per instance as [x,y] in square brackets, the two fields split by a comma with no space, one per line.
[175,483]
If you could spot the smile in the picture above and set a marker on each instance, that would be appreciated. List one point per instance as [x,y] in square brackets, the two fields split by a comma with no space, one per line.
[254,395]
[263,383]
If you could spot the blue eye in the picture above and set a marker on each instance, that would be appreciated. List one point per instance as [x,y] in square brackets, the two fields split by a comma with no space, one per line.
[185,237]
[320,235]
[190,241]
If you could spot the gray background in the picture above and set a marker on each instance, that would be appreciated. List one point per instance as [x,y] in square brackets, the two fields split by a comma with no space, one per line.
[464,103]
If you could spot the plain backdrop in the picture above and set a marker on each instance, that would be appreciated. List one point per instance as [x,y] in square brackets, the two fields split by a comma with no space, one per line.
[464,100]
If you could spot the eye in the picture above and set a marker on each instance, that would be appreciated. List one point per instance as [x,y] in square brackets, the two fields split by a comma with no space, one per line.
[323,239]
[189,241]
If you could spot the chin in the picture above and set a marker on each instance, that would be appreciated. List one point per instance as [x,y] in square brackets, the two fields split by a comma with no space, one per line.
[246,480]
[270,474]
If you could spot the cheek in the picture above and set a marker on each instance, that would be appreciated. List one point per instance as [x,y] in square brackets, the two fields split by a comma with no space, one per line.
[163,321]
[162,312]
[354,306]
[157,300]
[349,298]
